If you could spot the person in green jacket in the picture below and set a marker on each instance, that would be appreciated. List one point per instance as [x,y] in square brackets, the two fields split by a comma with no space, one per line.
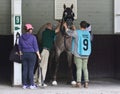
[48,36]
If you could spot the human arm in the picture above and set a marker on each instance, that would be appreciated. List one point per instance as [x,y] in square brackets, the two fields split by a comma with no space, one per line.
[57,28]
[35,44]
[38,54]
[71,32]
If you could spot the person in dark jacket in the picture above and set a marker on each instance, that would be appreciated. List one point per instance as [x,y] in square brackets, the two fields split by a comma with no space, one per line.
[48,36]
[28,48]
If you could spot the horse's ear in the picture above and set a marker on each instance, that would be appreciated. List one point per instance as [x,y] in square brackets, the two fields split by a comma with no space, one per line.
[64,6]
[72,6]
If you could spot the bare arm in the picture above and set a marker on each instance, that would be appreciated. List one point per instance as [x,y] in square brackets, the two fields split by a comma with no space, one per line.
[57,28]
[38,54]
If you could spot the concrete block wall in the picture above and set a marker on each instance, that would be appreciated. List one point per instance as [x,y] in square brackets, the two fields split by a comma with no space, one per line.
[98,12]
[5,17]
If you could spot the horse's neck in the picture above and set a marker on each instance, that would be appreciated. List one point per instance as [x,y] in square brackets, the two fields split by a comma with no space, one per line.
[62,41]
[59,36]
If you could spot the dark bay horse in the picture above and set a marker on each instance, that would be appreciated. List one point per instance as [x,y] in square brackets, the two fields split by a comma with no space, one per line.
[62,43]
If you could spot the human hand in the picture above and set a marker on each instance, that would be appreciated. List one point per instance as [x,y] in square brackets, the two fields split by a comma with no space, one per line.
[39,58]
[38,54]
[73,27]
[65,25]
[20,53]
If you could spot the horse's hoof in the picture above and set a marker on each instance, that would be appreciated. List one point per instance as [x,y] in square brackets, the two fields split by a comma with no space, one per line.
[54,83]
[73,82]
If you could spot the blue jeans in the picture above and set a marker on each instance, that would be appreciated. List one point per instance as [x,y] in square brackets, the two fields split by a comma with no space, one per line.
[28,62]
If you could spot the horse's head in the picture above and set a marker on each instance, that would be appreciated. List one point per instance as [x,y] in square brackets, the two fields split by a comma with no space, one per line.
[68,15]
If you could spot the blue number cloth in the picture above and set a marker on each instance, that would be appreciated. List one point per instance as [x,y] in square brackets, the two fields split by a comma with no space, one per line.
[84,43]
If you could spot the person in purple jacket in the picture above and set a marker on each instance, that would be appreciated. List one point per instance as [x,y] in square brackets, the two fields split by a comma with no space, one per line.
[28,48]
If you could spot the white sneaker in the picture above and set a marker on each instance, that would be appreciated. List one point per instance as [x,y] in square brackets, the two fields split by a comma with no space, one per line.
[25,86]
[33,87]
[73,82]
[54,83]
[45,85]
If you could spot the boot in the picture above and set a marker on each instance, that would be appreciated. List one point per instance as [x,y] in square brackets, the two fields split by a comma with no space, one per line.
[86,85]
[78,84]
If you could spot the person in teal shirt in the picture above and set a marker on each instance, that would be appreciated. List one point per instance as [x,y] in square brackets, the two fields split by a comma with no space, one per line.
[81,50]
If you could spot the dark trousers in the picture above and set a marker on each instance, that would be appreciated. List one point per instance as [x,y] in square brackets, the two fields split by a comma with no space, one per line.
[28,62]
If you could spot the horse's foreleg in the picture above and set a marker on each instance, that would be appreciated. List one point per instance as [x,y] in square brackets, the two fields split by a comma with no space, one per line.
[56,69]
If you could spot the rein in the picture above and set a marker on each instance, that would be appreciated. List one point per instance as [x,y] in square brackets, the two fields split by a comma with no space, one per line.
[66,37]
[66,18]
